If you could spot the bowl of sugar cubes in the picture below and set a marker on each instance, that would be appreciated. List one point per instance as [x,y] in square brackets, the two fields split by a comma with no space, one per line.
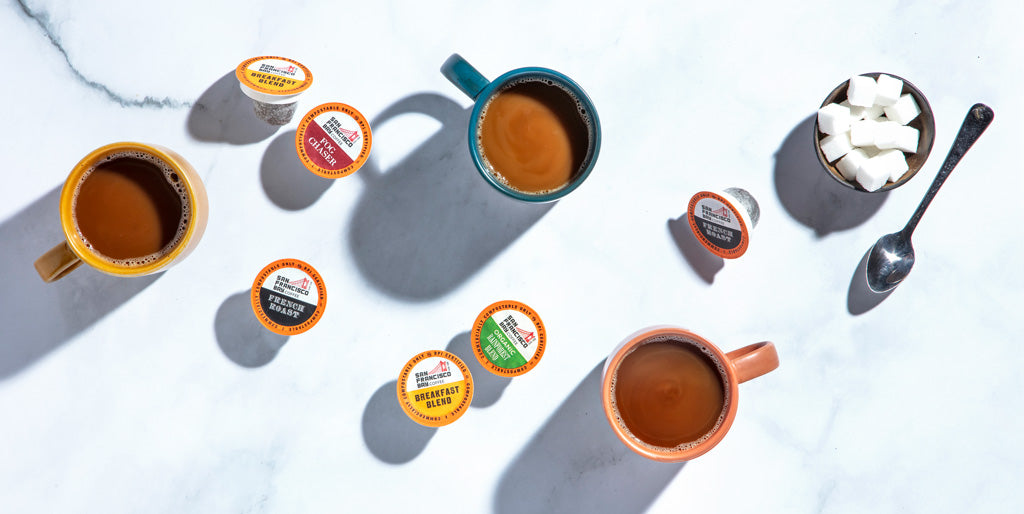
[874,132]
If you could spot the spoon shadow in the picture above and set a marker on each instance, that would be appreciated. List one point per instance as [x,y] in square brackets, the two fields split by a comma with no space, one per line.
[860,298]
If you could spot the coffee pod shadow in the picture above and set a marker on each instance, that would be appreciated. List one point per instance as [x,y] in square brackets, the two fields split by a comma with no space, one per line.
[35,317]
[810,195]
[488,386]
[860,298]
[285,180]
[388,432]
[223,114]
[703,262]
[575,463]
[241,336]
[430,222]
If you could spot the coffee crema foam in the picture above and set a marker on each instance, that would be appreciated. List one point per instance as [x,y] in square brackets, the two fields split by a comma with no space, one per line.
[173,180]
[672,338]
[580,109]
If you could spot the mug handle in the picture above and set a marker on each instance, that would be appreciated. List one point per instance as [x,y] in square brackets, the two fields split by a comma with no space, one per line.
[464,76]
[57,263]
[754,360]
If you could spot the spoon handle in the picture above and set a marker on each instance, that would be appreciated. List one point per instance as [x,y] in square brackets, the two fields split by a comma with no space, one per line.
[977,120]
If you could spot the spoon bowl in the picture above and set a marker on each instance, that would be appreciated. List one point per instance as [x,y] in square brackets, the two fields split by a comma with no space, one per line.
[892,257]
[889,262]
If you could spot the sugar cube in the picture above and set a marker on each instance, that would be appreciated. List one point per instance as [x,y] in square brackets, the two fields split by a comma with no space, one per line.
[903,111]
[863,113]
[833,119]
[872,174]
[848,165]
[907,139]
[868,113]
[862,132]
[888,90]
[886,134]
[894,162]
[861,91]
[836,145]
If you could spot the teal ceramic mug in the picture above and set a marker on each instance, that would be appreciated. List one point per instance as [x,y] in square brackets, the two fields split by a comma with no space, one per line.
[572,138]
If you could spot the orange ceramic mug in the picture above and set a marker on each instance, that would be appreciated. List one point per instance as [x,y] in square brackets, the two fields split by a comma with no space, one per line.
[127,209]
[671,395]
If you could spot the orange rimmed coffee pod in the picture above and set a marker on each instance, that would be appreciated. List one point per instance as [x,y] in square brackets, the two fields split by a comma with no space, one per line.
[722,221]
[508,338]
[333,140]
[435,388]
[288,297]
[274,84]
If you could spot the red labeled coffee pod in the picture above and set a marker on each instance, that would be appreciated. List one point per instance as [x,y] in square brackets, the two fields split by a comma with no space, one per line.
[333,140]
[435,388]
[508,338]
[288,297]
[274,84]
[723,220]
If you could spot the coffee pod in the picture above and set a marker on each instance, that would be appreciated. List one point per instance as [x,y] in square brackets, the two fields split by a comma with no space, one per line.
[274,84]
[288,297]
[435,388]
[723,220]
[508,338]
[333,140]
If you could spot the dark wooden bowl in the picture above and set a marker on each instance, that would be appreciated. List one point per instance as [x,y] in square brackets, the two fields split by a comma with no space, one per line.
[924,123]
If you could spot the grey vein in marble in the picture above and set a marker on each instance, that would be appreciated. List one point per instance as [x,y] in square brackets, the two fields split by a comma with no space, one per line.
[43,20]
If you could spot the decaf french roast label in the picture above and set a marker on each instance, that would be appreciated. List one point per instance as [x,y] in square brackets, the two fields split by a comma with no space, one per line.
[508,338]
[718,225]
[288,296]
[274,75]
[435,388]
[333,140]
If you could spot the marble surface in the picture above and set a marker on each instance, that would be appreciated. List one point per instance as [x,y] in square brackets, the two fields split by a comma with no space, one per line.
[161,394]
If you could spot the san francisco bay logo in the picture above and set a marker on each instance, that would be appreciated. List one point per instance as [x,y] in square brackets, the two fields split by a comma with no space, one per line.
[299,286]
[270,68]
[720,214]
[434,376]
[527,335]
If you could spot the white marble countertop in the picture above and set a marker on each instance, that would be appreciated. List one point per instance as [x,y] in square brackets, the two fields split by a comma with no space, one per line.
[161,394]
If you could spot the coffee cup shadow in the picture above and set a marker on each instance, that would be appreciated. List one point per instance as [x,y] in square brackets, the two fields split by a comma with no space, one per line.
[488,387]
[810,195]
[430,222]
[223,114]
[241,336]
[571,462]
[388,432]
[703,262]
[285,180]
[860,298]
[37,317]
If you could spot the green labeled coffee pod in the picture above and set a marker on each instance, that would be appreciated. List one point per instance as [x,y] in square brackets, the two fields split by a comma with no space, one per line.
[508,338]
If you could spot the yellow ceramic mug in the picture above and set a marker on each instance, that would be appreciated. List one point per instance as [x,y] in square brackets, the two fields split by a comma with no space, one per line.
[122,198]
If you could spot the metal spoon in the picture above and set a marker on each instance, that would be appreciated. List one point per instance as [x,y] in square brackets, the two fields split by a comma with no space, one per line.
[893,255]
